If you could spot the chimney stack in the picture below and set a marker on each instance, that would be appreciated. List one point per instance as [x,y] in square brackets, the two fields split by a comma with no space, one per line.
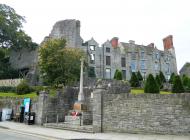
[114,42]
[168,42]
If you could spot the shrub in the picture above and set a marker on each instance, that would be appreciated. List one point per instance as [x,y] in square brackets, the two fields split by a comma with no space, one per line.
[185,80]
[118,75]
[91,72]
[158,81]
[172,78]
[37,89]
[134,80]
[23,88]
[7,89]
[139,76]
[177,86]
[115,74]
[151,85]
[162,77]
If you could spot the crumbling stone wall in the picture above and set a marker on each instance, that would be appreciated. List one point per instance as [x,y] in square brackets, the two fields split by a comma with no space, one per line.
[69,30]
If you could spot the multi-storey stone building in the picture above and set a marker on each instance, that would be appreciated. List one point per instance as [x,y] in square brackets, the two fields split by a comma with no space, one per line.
[111,55]
[130,57]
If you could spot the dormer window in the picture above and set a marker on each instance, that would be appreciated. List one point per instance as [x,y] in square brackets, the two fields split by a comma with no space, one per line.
[92,47]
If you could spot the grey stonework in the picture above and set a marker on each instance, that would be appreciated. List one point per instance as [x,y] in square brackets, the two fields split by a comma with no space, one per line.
[69,30]
[146,59]
[146,113]
[26,60]
[185,70]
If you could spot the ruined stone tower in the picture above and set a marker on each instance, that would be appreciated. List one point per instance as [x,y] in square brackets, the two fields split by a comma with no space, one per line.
[69,30]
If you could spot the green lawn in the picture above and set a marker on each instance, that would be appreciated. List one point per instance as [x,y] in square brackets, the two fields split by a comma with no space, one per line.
[52,93]
[9,94]
[141,91]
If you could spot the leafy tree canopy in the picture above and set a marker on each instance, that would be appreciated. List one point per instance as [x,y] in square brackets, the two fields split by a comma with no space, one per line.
[59,64]
[11,33]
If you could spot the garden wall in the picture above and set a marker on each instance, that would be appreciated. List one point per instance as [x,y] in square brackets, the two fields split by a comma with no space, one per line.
[145,113]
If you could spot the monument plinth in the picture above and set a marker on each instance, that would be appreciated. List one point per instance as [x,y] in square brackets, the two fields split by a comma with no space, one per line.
[79,106]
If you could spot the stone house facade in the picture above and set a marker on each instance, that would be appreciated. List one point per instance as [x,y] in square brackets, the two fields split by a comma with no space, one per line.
[130,57]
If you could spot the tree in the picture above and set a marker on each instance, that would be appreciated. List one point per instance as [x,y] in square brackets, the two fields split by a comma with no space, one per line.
[134,80]
[91,72]
[11,33]
[177,86]
[172,78]
[158,81]
[115,74]
[151,85]
[118,75]
[139,76]
[185,81]
[162,77]
[59,64]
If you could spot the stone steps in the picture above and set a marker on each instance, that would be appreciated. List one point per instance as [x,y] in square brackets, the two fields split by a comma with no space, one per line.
[69,126]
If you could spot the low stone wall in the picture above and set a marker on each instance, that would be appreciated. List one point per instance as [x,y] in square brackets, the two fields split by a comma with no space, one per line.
[146,113]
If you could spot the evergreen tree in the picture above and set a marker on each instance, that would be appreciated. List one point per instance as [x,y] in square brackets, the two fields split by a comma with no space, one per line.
[158,81]
[134,80]
[91,72]
[162,77]
[139,76]
[188,85]
[185,80]
[177,86]
[115,74]
[119,75]
[172,78]
[151,85]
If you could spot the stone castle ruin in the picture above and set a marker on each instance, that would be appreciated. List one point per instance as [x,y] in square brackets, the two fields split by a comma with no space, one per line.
[105,59]
[69,30]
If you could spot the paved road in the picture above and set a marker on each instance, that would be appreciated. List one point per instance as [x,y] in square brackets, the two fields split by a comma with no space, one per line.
[40,133]
[6,134]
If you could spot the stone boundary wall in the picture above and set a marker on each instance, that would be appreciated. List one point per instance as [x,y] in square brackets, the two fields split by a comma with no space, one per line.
[10,82]
[146,113]
[49,109]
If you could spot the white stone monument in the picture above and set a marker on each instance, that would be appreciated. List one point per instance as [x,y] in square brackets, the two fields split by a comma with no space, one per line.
[80,104]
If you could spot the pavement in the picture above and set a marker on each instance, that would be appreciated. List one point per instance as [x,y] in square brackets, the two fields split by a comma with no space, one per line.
[53,134]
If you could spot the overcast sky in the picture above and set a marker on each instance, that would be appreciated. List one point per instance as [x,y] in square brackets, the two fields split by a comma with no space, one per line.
[144,21]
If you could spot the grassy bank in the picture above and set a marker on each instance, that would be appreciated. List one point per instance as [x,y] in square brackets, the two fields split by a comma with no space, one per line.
[141,91]
[10,94]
